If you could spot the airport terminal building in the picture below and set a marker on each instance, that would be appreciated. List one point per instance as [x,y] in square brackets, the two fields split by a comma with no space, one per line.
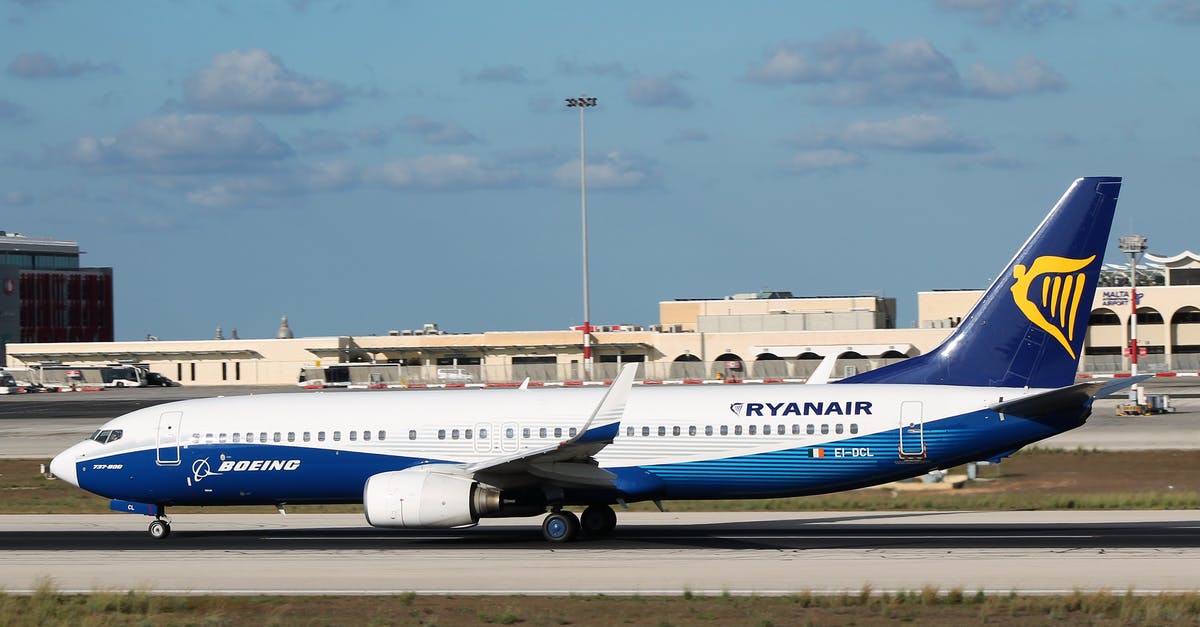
[772,336]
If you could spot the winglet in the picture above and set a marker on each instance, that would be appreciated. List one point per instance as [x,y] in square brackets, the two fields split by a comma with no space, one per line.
[605,420]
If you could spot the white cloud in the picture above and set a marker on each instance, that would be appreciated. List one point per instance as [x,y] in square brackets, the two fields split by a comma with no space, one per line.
[612,171]
[16,199]
[657,91]
[915,133]
[13,113]
[35,65]
[1032,14]
[855,69]
[823,160]
[444,172]
[572,68]
[255,81]
[438,133]
[687,136]
[192,143]
[1029,75]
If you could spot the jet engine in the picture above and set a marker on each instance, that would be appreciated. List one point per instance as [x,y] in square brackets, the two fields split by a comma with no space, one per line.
[416,498]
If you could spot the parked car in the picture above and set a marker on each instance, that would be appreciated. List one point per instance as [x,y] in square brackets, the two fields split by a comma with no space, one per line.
[153,378]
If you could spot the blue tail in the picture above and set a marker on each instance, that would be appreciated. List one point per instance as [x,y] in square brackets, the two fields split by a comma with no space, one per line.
[1028,329]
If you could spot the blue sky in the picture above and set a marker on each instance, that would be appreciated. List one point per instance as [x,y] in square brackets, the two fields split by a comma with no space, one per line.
[366,166]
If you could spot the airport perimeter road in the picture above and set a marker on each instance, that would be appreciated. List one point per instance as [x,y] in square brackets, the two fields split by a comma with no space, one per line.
[707,553]
[34,426]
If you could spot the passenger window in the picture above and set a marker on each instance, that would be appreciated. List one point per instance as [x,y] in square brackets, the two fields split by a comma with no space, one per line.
[542,432]
[441,434]
[291,436]
[237,437]
[454,434]
[854,427]
[509,433]
[675,430]
[262,437]
[483,434]
[558,432]
[724,429]
[208,438]
[337,436]
[824,429]
[383,434]
[708,430]
[220,438]
[525,433]
[278,436]
[766,429]
[412,434]
[354,435]
[467,433]
[307,436]
[837,428]
[320,436]
[645,431]
[629,432]
[737,429]
[692,430]
[753,429]
[782,430]
[795,429]
[367,435]
[662,431]
[809,430]
[573,431]
[195,438]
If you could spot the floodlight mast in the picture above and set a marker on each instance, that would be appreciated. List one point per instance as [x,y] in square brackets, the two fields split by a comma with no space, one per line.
[1133,246]
[582,103]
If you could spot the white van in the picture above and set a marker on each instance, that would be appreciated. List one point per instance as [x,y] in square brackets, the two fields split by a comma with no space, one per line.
[454,375]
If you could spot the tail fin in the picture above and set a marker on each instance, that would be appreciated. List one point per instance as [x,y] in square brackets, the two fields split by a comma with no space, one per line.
[1028,329]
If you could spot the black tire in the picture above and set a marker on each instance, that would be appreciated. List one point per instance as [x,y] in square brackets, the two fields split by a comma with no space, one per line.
[160,529]
[598,521]
[560,527]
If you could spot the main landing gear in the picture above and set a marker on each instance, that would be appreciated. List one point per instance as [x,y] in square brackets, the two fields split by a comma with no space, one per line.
[160,528]
[564,526]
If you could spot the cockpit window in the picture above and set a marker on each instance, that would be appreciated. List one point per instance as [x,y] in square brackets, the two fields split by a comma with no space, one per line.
[105,436]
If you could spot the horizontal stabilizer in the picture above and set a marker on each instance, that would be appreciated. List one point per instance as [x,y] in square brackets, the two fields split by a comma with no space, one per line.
[1071,397]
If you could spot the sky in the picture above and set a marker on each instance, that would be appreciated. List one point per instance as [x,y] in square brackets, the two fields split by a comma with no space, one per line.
[368,166]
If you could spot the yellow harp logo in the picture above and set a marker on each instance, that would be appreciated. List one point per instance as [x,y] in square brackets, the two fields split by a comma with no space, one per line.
[1061,285]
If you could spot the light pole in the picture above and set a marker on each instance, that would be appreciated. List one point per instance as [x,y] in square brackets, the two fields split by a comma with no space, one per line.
[1133,246]
[582,103]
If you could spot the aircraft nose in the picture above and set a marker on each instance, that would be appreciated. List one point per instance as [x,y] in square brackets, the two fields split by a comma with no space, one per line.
[63,466]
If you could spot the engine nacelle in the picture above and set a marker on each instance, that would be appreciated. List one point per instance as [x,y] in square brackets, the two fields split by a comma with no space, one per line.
[417,498]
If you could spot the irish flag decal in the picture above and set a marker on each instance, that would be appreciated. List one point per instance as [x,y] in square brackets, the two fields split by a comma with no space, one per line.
[816,452]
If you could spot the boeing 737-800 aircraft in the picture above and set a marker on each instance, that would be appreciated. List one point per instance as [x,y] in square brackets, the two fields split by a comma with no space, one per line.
[1003,379]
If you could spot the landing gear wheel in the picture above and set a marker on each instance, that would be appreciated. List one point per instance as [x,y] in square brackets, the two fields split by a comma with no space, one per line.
[598,521]
[160,529]
[560,527]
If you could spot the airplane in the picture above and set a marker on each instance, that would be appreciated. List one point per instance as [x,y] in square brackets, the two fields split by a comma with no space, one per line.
[1005,378]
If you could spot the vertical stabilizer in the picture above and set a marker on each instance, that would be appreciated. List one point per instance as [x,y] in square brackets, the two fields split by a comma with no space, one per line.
[1028,329]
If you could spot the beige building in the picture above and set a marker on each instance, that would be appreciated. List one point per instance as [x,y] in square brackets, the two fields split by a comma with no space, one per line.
[770,335]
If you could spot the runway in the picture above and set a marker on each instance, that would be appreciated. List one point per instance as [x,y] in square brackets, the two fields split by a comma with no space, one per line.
[652,553]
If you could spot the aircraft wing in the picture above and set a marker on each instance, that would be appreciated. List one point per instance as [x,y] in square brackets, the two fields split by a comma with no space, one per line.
[571,462]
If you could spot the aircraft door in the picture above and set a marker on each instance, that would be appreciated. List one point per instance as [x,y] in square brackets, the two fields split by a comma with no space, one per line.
[912,429]
[169,437]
